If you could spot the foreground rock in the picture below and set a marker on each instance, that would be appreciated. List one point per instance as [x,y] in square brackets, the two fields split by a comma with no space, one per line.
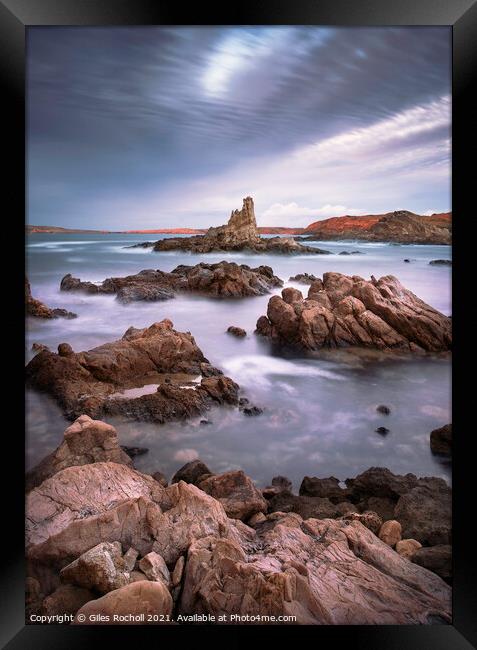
[148,601]
[154,374]
[437,559]
[104,528]
[239,234]
[441,440]
[236,492]
[344,311]
[38,309]
[221,280]
[85,441]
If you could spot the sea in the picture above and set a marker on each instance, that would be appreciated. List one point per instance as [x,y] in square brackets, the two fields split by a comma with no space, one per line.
[319,414]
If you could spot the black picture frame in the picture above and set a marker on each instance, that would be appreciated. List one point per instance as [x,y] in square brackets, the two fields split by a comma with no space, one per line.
[15,17]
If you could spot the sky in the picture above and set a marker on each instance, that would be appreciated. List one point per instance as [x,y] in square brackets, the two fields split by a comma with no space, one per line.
[163,127]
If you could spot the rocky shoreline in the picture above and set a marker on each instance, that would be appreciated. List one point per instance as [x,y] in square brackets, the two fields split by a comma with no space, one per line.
[367,551]
[38,309]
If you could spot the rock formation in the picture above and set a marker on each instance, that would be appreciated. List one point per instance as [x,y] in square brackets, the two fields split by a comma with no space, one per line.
[154,374]
[400,226]
[102,538]
[441,440]
[239,234]
[37,309]
[344,311]
[221,280]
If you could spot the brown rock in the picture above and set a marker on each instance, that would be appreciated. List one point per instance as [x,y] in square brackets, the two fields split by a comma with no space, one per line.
[306,507]
[94,382]
[75,495]
[350,311]
[390,532]
[101,569]
[322,572]
[178,571]
[154,568]
[441,440]
[160,478]
[137,576]
[66,599]
[122,606]
[191,472]
[224,279]
[236,492]
[437,559]
[407,547]
[37,309]
[323,487]
[85,441]
[369,519]
[256,519]
[425,513]
[240,233]
[237,331]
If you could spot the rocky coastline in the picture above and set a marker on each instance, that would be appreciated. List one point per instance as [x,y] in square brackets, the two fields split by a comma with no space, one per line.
[375,549]
[38,309]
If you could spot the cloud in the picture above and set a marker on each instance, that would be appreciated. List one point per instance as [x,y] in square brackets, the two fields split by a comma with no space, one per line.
[160,126]
[280,214]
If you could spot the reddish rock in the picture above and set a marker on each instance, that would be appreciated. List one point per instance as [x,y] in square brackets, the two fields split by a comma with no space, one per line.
[38,309]
[93,382]
[236,492]
[352,312]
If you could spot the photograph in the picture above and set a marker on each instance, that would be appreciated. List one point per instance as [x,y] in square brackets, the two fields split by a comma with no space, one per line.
[238,325]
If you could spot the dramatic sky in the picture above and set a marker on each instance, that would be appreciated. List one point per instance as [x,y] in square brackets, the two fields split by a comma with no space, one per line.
[150,127]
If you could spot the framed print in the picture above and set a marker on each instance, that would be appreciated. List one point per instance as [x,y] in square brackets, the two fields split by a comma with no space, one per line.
[241,330]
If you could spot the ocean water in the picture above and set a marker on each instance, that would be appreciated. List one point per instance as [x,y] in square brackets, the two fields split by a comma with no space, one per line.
[319,414]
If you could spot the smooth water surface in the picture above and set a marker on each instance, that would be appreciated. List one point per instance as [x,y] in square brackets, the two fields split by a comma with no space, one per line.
[319,415]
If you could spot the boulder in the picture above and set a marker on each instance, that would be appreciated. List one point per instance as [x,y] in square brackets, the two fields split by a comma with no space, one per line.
[369,519]
[390,532]
[323,487]
[160,478]
[407,547]
[306,507]
[66,599]
[441,440]
[425,513]
[238,332]
[100,569]
[85,441]
[435,558]
[109,379]
[348,311]
[440,262]
[380,482]
[64,514]
[191,472]
[303,278]
[236,492]
[382,506]
[154,568]
[128,605]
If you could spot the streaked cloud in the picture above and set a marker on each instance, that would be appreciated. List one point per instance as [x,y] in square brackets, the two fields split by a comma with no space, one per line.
[160,126]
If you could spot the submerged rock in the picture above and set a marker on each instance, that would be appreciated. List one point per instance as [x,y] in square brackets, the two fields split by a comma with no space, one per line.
[239,234]
[236,331]
[348,311]
[109,379]
[440,262]
[221,280]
